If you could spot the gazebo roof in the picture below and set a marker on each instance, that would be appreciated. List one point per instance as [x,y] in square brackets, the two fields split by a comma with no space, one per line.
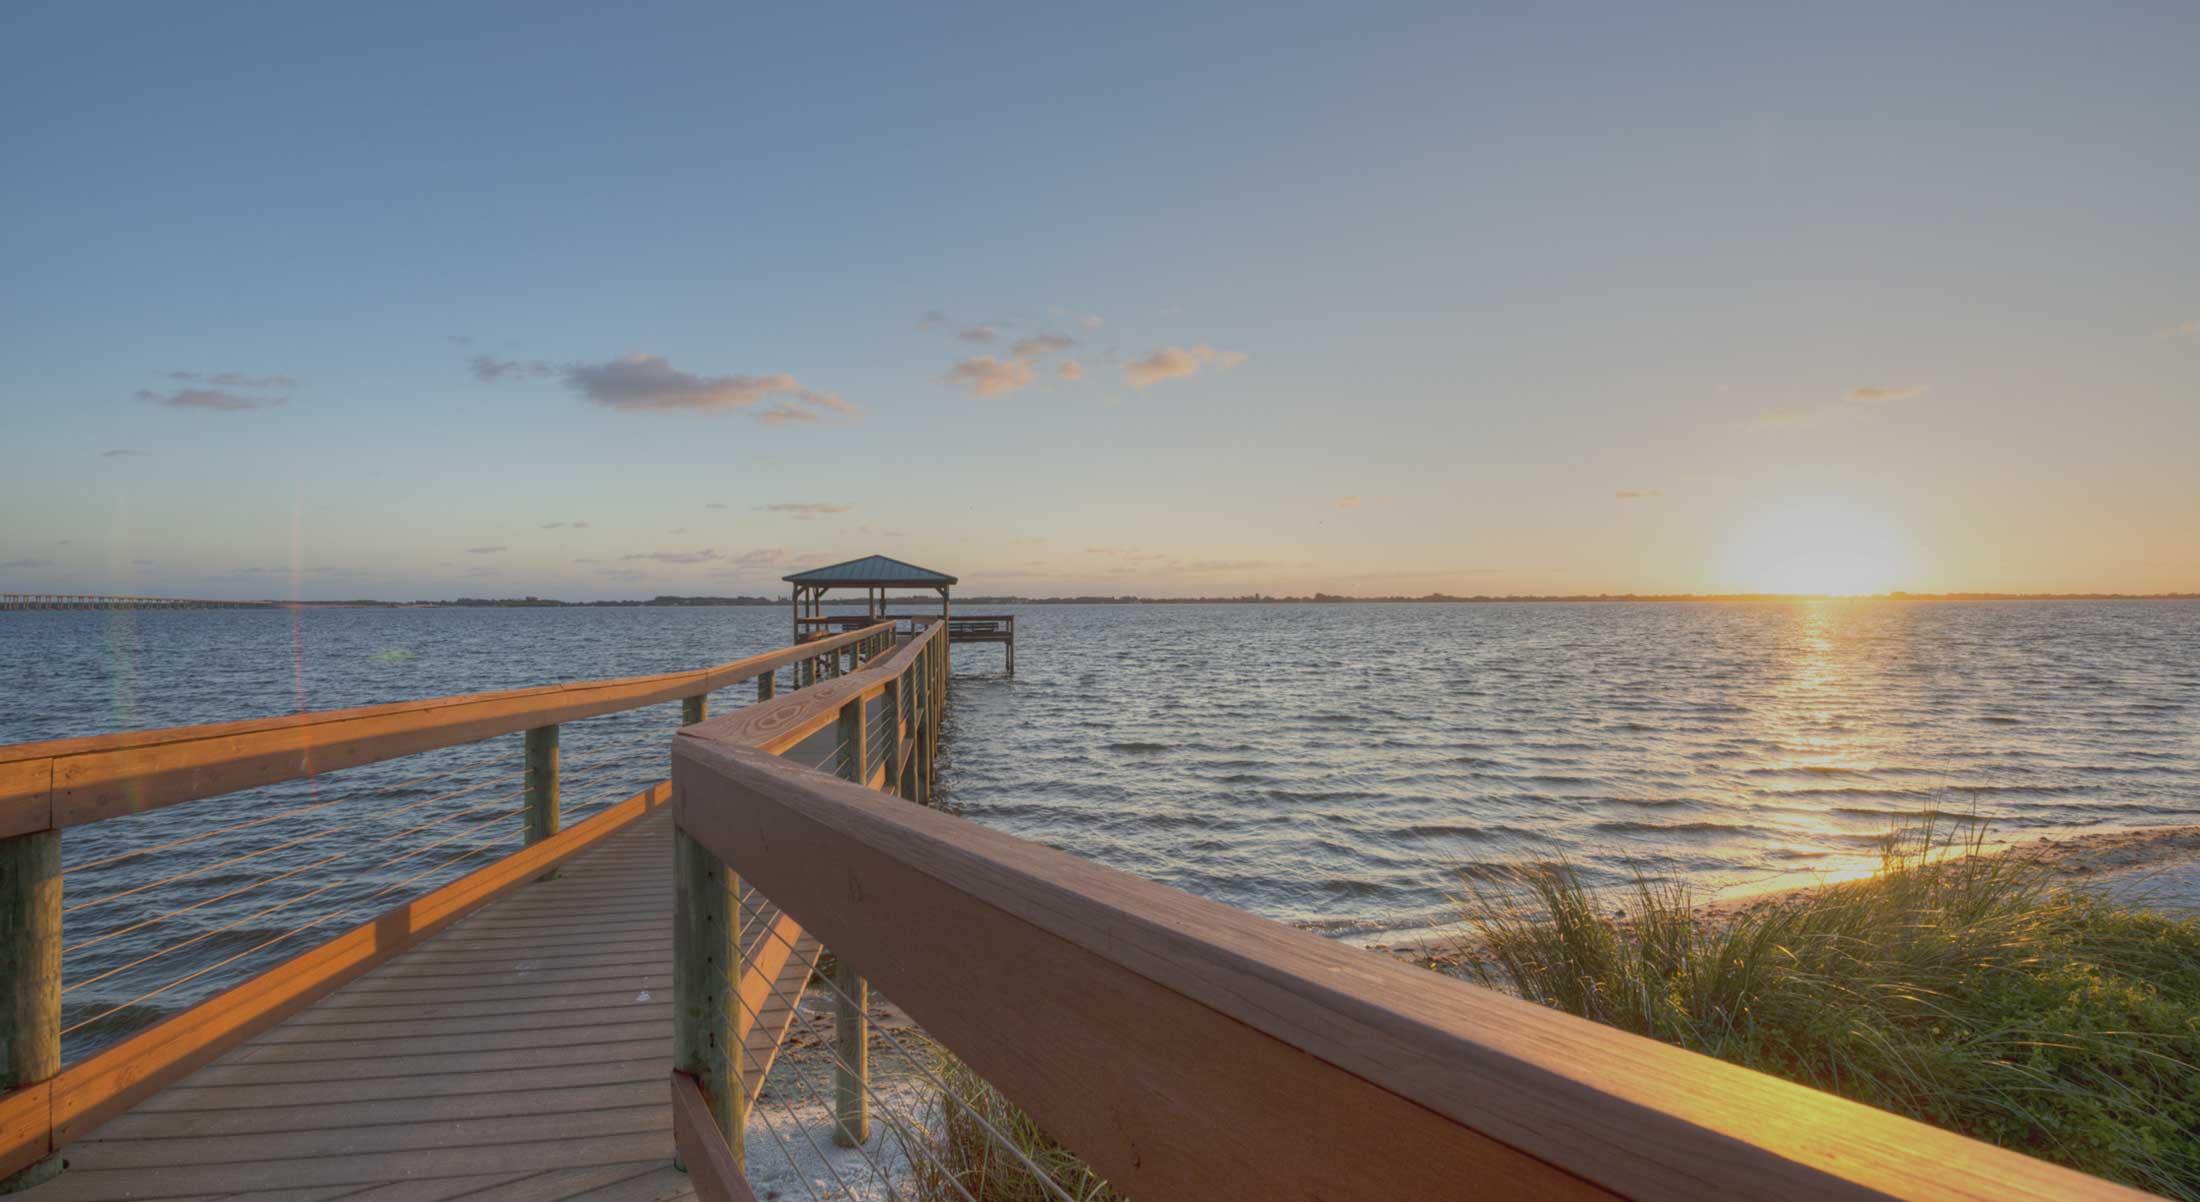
[872,571]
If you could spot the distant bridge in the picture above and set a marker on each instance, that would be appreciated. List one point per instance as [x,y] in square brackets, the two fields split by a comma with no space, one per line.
[94,601]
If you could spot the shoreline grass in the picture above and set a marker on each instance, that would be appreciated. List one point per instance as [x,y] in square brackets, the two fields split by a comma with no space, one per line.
[1961,987]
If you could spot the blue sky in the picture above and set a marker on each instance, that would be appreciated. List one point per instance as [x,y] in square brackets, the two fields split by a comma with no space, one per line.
[1390,301]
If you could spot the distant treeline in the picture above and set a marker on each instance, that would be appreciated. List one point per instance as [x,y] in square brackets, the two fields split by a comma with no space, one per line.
[966,603]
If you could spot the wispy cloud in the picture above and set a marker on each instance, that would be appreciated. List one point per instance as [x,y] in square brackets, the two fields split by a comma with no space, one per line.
[1858,401]
[490,368]
[1070,370]
[706,555]
[26,563]
[803,510]
[1877,395]
[1347,503]
[121,453]
[234,379]
[2190,329]
[1040,346]
[987,376]
[931,318]
[565,525]
[715,505]
[762,558]
[979,334]
[649,384]
[214,400]
[1638,494]
[487,550]
[1170,363]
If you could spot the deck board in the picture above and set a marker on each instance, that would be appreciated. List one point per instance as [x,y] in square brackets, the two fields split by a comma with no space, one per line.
[520,1056]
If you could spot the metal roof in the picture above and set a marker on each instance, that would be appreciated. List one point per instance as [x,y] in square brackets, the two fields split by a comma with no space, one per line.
[873,570]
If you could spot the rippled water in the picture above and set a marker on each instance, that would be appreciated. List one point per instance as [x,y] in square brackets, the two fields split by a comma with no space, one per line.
[1332,766]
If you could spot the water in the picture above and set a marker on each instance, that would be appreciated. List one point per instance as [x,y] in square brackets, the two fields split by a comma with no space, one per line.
[1338,767]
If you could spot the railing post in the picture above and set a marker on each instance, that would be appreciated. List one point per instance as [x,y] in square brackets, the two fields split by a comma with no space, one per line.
[694,709]
[30,968]
[767,686]
[542,788]
[706,984]
[891,699]
[851,996]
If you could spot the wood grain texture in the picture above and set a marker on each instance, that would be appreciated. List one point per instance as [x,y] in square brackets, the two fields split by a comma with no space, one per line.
[521,1052]
[790,719]
[710,1164]
[111,1082]
[1189,1049]
[75,781]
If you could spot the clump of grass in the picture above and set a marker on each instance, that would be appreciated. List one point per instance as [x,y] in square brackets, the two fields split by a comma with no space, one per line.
[959,1157]
[1957,986]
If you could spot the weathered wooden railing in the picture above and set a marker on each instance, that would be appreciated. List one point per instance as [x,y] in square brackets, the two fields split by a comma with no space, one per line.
[1186,1049]
[46,788]
[885,721]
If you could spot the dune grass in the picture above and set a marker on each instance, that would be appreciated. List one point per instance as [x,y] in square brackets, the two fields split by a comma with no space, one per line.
[1957,986]
[979,1145]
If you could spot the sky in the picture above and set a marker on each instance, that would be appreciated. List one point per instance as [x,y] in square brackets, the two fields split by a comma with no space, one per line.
[603,301]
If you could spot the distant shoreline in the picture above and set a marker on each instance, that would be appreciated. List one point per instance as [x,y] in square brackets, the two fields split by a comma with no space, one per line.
[965,603]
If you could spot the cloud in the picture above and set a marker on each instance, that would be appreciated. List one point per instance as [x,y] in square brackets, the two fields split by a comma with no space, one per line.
[487,550]
[1172,362]
[1070,370]
[762,558]
[647,383]
[212,399]
[715,505]
[1638,494]
[782,413]
[232,379]
[1348,503]
[1040,346]
[1789,417]
[803,510]
[705,555]
[121,453]
[565,525]
[2190,329]
[27,563]
[1857,402]
[931,318]
[1090,321]
[986,376]
[490,369]
[980,334]
[1879,396]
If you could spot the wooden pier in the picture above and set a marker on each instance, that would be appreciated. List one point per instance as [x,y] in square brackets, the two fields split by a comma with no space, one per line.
[577,1017]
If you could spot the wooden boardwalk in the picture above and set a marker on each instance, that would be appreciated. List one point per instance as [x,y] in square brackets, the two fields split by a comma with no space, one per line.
[521,1054]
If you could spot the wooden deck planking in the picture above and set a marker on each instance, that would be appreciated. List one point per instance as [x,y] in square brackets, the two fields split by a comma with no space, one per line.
[521,1055]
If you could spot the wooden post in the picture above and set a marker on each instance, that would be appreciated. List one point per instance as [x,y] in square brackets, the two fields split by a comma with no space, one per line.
[891,699]
[694,709]
[30,972]
[706,984]
[767,686]
[851,996]
[542,788]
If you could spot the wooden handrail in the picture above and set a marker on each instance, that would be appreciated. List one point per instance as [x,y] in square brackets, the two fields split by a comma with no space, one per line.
[1188,1049]
[773,727]
[69,782]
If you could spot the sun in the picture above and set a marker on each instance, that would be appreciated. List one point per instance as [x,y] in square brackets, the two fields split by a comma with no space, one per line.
[1822,544]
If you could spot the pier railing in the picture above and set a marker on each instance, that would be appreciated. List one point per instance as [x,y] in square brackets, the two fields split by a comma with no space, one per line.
[1186,1049]
[46,788]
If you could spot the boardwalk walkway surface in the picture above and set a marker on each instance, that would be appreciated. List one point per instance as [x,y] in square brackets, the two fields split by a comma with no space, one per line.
[520,1055]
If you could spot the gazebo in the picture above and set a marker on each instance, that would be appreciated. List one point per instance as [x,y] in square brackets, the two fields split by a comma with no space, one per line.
[874,574]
